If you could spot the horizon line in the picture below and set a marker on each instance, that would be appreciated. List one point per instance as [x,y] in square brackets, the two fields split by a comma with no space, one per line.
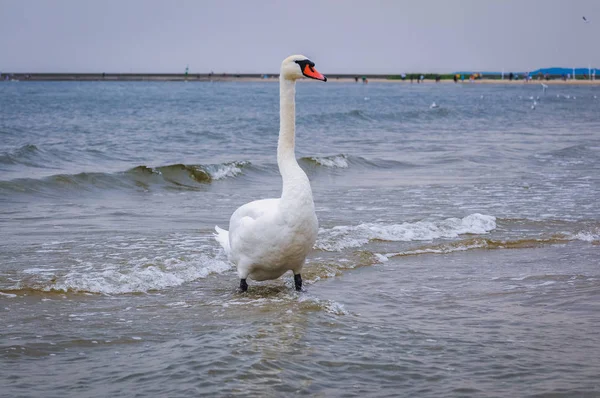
[261,74]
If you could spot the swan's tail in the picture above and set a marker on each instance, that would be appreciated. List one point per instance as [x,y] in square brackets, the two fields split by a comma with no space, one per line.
[222,237]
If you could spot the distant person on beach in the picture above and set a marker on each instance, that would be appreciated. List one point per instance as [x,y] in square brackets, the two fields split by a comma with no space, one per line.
[438,78]
[356,79]
[403,76]
[422,78]
[455,79]
[510,76]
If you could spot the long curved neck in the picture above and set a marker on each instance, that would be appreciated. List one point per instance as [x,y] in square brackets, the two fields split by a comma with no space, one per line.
[293,176]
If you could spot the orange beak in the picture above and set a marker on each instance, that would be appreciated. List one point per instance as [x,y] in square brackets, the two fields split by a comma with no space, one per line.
[310,71]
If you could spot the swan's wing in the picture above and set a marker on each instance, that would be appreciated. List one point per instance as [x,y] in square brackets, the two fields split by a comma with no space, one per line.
[249,227]
[247,214]
[242,220]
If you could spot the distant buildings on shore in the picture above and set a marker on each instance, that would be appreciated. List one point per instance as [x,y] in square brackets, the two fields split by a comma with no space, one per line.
[539,74]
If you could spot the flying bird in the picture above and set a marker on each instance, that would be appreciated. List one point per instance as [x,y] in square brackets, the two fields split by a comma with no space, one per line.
[585,20]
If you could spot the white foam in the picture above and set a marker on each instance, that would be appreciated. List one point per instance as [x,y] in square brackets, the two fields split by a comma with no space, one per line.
[338,161]
[329,306]
[140,278]
[343,237]
[178,304]
[336,308]
[34,271]
[586,236]
[381,258]
[221,171]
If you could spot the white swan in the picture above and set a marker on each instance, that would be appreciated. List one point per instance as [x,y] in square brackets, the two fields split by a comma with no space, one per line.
[268,237]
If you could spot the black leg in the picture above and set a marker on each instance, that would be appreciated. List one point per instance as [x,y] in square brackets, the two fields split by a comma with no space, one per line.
[243,285]
[298,282]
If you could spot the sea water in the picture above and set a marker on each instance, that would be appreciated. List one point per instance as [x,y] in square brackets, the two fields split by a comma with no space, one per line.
[458,252]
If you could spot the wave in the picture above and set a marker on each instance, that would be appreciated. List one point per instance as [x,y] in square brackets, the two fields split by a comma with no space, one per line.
[143,272]
[492,244]
[281,297]
[334,161]
[184,176]
[355,114]
[571,155]
[371,115]
[180,174]
[138,278]
[28,155]
[13,157]
[343,237]
[344,161]
[577,151]
[175,175]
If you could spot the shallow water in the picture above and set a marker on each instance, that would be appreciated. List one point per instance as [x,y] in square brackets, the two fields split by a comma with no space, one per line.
[457,254]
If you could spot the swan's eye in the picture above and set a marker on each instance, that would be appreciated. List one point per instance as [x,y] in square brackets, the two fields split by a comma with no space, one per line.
[305,62]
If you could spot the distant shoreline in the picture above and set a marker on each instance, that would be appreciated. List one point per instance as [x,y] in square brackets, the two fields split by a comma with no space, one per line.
[204,77]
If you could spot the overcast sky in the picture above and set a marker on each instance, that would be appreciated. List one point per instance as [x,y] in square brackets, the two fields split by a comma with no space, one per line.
[366,36]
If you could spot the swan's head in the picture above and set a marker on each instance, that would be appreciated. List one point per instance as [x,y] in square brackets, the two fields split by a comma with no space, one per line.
[298,66]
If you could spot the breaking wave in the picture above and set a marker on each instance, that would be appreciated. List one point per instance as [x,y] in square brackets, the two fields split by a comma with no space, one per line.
[492,244]
[180,174]
[136,278]
[344,161]
[343,237]
[139,268]
[335,161]
[175,175]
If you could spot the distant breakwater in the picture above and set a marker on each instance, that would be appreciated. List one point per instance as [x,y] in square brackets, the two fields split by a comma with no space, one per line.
[161,76]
